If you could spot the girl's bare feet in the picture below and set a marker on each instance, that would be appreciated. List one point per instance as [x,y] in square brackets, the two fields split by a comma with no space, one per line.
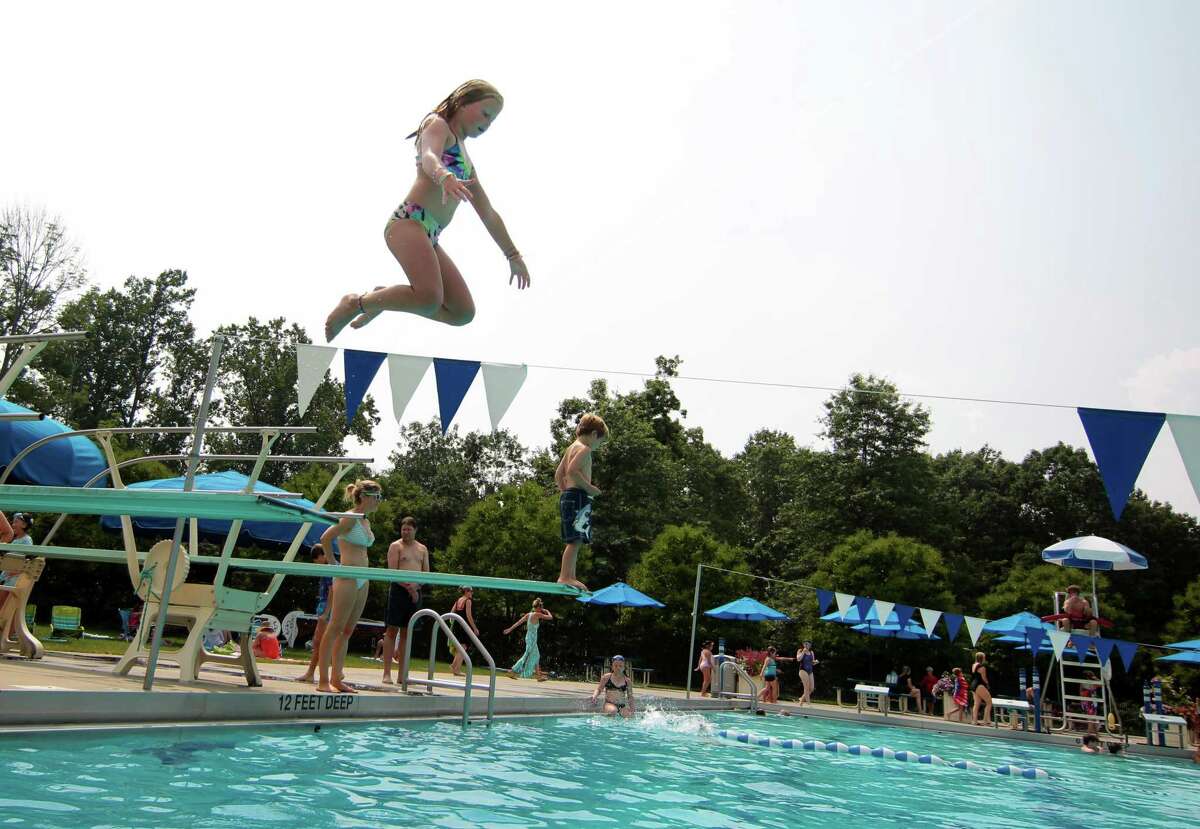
[305,678]
[326,688]
[345,311]
[343,687]
[574,583]
[365,317]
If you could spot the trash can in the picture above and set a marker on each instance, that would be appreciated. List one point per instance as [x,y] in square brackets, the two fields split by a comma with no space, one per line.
[719,675]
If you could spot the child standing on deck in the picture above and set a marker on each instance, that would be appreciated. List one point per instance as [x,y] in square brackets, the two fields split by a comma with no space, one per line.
[574,479]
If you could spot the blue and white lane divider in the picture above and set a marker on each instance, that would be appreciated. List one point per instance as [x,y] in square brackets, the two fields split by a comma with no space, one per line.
[1030,773]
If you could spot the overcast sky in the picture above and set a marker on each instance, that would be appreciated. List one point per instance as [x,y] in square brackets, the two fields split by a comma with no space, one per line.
[987,199]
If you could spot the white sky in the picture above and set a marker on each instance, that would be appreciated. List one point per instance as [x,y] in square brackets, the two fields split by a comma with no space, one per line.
[994,199]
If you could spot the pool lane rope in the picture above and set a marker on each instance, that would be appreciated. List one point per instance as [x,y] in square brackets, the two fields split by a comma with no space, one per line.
[747,738]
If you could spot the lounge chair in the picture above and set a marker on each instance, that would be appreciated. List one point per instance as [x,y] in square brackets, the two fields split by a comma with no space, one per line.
[16,613]
[66,620]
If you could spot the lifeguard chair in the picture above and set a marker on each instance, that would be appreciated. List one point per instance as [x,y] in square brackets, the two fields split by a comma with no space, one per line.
[1086,700]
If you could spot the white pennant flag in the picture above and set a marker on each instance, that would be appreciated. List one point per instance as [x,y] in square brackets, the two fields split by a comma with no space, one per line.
[930,618]
[312,361]
[1186,431]
[974,627]
[1058,641]
[405,373]
[844,600]
[502,381]
[883,610]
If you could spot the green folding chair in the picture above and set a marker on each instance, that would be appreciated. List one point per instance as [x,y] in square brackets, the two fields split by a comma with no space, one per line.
[30,615]
[66,620]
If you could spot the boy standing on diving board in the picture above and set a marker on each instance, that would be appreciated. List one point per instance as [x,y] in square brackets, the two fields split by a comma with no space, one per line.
[574,480]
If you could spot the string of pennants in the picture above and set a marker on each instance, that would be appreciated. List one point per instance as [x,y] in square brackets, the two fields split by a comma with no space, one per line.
[1121,441]
[1038,638]
[501,381]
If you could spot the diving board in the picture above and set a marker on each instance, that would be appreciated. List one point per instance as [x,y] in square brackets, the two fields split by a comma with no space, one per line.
[158,504]
[339,571]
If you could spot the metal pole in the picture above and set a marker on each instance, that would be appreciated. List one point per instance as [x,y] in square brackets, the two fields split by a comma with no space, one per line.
[695,618]
[164,600]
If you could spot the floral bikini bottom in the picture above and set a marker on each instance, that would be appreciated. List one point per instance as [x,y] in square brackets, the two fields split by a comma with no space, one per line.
[414,211]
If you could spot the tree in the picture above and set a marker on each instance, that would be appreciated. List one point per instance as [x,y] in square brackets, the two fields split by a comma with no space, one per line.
[39,267]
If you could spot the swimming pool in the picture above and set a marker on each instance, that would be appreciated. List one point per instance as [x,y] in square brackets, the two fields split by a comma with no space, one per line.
[662,770]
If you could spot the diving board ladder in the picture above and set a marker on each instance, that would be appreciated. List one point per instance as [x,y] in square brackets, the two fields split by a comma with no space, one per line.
[442,622]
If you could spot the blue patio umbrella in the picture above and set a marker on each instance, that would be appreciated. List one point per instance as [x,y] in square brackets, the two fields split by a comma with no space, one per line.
[1191,657]
[913,630]
[270,532]
[620,595]
[69,461]
[1189,645]
[1091,552]
[747,609]
[1015,625]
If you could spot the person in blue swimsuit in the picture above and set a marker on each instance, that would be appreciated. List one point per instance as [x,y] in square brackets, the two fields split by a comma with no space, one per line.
[347,597]
[807,659]
[770,677]
[445,177]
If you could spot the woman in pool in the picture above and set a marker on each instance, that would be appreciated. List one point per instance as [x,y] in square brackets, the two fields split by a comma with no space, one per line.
[347,597]
[617,690]
[981,690]
[529,665]
[807,659]
[705,667]
[445,177]
[770,677]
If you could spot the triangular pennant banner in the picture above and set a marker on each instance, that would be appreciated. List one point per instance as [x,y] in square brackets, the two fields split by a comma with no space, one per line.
[1127,650]
[904,614]
[1120,441]
[824,598]
[929,618]
[1186,431]
[501,382]
[454,378]
[360,371]
[1058,641]
[883,610]
[974,627]
[1082,645]
[953,623]
[1104,649]
[312,361]
[844,602]
[1035,637]
[863,605]
[405,374]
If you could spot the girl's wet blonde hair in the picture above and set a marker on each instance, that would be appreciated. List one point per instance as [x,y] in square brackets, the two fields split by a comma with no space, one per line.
[467,93]
[355,491]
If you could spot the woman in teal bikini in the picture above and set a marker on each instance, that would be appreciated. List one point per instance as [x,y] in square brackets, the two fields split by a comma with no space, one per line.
[347,597]
[529,663]
[445,177]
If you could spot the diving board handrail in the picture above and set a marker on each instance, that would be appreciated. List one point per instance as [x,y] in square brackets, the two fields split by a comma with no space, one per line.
[141,430]
[34,345]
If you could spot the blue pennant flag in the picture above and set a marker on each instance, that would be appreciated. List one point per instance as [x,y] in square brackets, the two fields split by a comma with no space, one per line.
[454,377]
[864,605]
[1127,650]
[824,597]
[1035,637]
[953,623]
[1082,645]
[1104,649]
[361,367]
[904,614]
[1120,441]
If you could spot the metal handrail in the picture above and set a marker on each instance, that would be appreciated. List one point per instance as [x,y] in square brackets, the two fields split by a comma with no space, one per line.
[451,616]
[14,339]
[161,430]
[467,686]
[753,695]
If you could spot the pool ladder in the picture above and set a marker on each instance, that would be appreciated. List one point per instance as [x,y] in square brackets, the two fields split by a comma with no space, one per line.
[721,692]
[443,622]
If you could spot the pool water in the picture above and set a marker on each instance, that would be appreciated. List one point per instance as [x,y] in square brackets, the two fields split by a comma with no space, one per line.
[663,769]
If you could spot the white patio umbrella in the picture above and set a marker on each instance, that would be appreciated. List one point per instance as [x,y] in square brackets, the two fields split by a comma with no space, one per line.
[1091,552]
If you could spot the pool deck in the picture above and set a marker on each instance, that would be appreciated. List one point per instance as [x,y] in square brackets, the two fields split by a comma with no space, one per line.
[65,690]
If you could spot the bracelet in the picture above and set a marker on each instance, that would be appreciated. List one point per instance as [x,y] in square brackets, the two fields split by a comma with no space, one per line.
[441,177]
[516,254]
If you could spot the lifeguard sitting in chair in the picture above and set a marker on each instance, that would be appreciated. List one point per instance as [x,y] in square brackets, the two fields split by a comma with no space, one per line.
[1077,614]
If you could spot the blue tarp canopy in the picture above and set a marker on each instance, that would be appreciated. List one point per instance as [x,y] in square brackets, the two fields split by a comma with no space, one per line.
[913,630]
[620,595]
[269,532]
[1015,625]
[747,609]
[66,462]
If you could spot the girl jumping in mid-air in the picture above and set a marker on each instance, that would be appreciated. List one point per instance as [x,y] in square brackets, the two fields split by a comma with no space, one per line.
[445,177]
